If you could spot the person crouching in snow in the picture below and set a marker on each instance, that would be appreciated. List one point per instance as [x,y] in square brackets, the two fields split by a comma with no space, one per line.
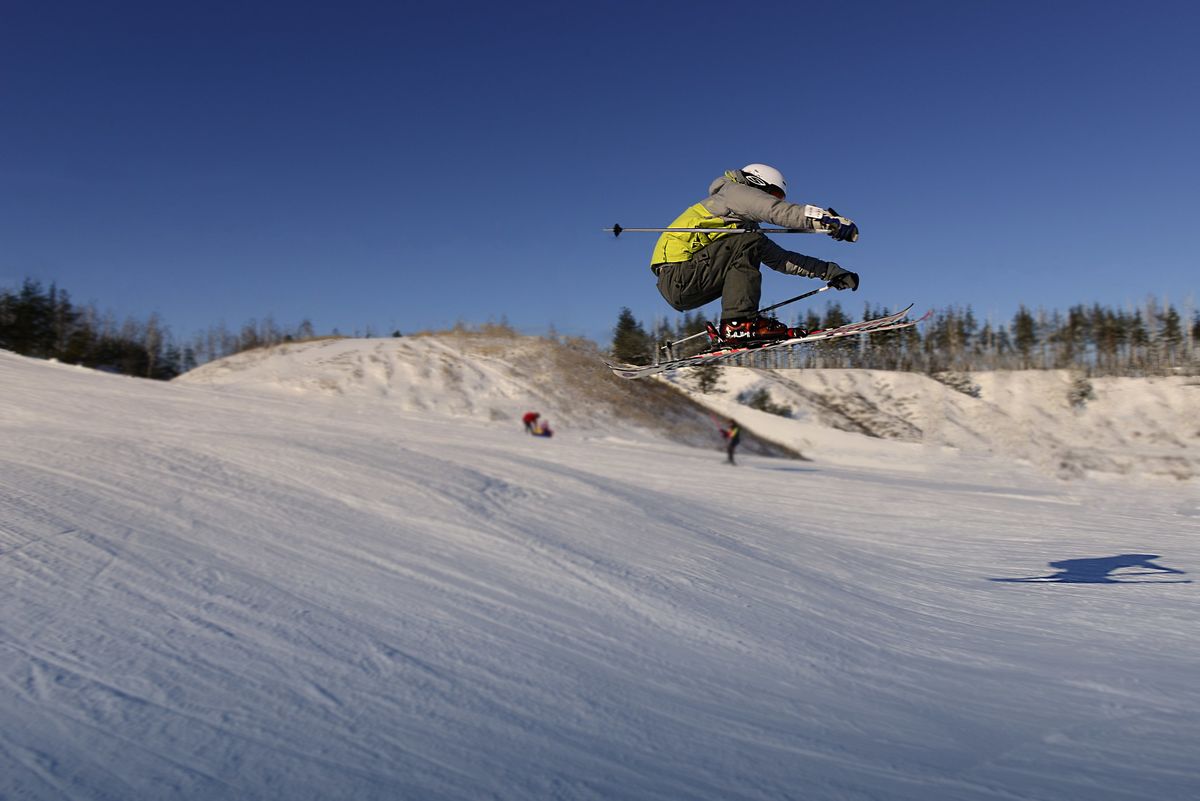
[529,420]
[542,429]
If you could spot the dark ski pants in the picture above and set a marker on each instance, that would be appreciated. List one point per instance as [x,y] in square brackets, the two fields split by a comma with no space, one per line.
[727,269]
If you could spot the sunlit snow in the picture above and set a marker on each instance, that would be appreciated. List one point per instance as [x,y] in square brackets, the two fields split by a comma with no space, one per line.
[342,570]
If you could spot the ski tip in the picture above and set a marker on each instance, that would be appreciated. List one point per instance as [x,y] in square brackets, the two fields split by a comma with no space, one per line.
[622,370]
[632,371]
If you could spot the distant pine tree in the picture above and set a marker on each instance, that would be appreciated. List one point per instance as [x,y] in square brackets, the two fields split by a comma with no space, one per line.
[631,344]
[708,378]
[27,320]
[1171,335]
[1024,335]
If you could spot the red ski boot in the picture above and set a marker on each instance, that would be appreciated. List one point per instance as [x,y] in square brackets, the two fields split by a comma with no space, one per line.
[756,330]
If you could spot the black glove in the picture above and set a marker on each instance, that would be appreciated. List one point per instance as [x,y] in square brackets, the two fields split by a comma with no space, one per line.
[838,278]
[840,228]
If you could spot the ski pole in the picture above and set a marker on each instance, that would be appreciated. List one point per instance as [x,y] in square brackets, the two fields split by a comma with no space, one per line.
[798,297]
[617,229]
[669,347]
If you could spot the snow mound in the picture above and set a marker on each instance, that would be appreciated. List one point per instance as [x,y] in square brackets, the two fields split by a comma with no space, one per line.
[483,377]
[468,376]
[1064,424]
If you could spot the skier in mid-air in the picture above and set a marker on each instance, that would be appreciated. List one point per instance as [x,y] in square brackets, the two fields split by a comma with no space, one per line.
[695,268]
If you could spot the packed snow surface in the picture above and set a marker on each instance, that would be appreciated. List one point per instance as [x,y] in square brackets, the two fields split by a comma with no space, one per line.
[270,588]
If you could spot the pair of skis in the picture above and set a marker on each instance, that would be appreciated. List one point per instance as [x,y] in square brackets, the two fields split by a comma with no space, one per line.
[726,350]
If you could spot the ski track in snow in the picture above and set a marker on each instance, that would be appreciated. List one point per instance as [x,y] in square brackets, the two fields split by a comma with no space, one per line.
[263,592]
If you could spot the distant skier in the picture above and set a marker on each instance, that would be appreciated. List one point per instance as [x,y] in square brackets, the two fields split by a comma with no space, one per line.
[697,268]
[732,435]
[542,429]
[530,419]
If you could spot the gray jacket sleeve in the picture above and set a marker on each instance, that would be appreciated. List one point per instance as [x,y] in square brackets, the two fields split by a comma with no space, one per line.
[727,198]
[785,261]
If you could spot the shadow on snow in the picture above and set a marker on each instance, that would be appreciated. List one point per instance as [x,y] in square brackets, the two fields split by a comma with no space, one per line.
[1101,570]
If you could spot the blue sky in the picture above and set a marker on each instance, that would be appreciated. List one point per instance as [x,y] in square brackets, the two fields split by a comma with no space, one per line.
[408,166]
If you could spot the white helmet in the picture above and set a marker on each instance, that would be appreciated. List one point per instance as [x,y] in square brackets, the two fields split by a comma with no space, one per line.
[766,178]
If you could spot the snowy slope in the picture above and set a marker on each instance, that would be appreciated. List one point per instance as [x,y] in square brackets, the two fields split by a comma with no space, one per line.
[1143,426]
[483,377]
[274,590]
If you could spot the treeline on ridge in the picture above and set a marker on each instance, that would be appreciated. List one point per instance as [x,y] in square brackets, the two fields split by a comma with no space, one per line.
[1154,339]
[44,323]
